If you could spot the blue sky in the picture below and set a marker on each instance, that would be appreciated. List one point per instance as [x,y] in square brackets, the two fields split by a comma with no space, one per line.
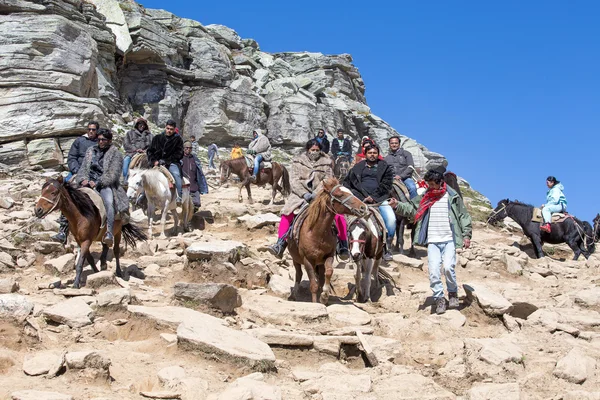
[508,91]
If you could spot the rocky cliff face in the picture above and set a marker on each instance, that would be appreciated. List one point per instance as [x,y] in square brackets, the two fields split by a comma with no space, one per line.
[64,62]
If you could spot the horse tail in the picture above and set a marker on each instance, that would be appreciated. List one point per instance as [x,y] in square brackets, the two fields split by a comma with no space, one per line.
[383,274]
[286,182]
[132,234]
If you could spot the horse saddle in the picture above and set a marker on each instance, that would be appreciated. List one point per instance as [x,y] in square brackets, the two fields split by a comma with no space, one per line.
[137,160]
[294,232]
[165,171]
[378,224]
[556,217]
[99,204]
[263,164]
[401,190]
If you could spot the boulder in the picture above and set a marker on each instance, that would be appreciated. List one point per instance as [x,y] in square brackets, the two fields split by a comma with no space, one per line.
[173,316]
[218,295]
[587,297]
[44,152]
[8,285]
[513,264]
[225,35]
[39,395]
[210,61]
[87,359]
[226,250]
[6,202]
[344,385]
[251,387]
[259,220]
[281,286]
[491,391]
[575,367]
[347,314]
[115,297]
[281,312]
[115,20]
[43,362]
[14,306]
[60,265]
[492,303]
[49,247]
[215,339]
[73,312]
[171,376]
[280,338]
[99,279]
[496,351]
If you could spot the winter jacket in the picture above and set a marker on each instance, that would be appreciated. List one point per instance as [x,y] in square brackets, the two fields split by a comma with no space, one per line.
[212,149]
[556,196]
[136,140]
[236,153]
[112,166]
[460,220]
[200,178]
[345,149]
[306,177]
[77,152]
[385,178]
[167,148]
[400,160]
[262,146]
[324,142]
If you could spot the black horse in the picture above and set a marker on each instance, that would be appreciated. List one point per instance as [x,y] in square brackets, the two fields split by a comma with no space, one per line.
[578,235]
[597,228]
[341,167]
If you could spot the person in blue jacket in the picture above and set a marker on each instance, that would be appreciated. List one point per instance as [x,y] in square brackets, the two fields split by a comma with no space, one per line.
[556,202]
[192,169]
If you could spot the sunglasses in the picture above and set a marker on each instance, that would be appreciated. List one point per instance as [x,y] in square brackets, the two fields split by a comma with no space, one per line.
[103,140]
[92,129]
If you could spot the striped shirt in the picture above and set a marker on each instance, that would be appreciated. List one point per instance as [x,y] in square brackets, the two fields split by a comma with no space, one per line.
[439,230]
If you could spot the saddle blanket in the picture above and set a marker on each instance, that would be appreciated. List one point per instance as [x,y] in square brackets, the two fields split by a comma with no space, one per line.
[165,171]
[556,217]
[263,164]
[99,204]
[136,160]
[399,187]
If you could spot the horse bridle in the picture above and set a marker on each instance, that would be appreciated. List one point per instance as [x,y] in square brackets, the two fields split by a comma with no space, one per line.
[496,213]
[54,203]
[343,202]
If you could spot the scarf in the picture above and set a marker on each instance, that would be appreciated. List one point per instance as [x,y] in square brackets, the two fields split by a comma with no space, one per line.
[430,197]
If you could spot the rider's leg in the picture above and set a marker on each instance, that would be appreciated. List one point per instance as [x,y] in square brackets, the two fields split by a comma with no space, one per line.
[278,248]
[389,217]
[126,162]
[257,159]
[63,230]
[174,170]
[342,229]
[547,212]
[107,199]
[411,186]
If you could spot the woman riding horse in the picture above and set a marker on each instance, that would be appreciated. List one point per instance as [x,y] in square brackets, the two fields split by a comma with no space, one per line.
[101,170]
[556,202]
[309,169]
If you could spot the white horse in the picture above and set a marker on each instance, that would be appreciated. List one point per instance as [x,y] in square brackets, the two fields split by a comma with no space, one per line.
[156,187]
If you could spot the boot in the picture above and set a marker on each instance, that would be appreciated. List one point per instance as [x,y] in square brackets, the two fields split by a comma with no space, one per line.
[546,228]
[63,231]
[342,250]
[278,248]
[387,253]
[440,307]
[453,300]
[108,239]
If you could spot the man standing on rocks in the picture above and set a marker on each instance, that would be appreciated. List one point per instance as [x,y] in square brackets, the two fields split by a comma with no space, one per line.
[212,153]
[74,160]
[192,169]
[194,145]
[442,224]
[167,149]
[137,141]
[341,146]
[260,148]
[322,138]
[402,161]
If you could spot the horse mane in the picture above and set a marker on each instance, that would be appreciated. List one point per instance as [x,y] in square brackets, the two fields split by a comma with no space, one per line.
[83,203]
[520,203]
[316,208]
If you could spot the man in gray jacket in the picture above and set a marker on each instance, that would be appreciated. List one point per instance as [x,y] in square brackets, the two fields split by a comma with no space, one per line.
[260,148]
[137,141]
[401,160]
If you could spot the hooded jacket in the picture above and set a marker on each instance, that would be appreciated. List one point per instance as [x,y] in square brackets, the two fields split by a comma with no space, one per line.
[556,196]
[385,178]
[112,168]
[167,148]
[306,177]
[136,140]
[200,178]
[400,160]
[262,146]
[346,147]
[324,142]
[77,152]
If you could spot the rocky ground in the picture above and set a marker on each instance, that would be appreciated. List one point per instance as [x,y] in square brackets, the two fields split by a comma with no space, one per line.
[211,320]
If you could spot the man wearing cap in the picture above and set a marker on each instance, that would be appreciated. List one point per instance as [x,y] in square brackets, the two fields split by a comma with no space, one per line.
[341,146]
[192,169]
[322,138]
[403,164]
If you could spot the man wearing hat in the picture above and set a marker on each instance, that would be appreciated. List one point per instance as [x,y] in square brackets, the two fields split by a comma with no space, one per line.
[341,146]
[192,169]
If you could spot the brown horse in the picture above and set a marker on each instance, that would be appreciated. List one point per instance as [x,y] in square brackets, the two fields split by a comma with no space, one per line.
[84,223]
[315,244]
[272,176]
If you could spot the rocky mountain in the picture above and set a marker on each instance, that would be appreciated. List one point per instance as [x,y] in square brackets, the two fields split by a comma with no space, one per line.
[64,62]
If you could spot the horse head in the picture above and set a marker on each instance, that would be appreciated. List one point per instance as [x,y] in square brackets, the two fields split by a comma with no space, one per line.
[499,212]
[357,233]
[342,200]
[135,183]
[49,198]
[225,172]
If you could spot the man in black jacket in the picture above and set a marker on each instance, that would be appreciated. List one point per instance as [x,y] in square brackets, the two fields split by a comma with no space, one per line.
[167,149]
[322,138]
[341,146]
[371,181]
[74,160]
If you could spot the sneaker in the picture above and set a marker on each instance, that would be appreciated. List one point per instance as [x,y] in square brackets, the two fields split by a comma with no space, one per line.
[60,237]
[387,256]
[453,300]
[342,250]
[440,307]
[108,239]
[253,178]
[277,250]
[546,228]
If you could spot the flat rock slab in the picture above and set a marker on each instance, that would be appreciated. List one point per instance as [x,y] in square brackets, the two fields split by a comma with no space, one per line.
[575,367]
[489,391]
[407,262]
[218,295]
[42,363]
[8,285]
[281,312]
[251,387]
[39,395]
[14,306]
[259,220]
[347,314]
[214,338]
[115,297]
[496,351]
[73,312]
[173,316]
[49,247]
[226,250]
[452,318]
[99,279]
[338,384]
[70,292]
[60,265]
[492,303]
[280,338]
[413,386]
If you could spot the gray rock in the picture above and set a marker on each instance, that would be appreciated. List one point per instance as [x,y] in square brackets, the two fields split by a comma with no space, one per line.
[513,264]
[259,220]
[39,395]
[87,359]
[491,303]
[73,312]
[14,306]
[6,202]
[575,367]
[414,386]
[49,247]
[99,279]
[173,316]
[496,351]
[281,286]
[490,391]
[43,362]
[210,61]
[218,295]
[251,387]
[171,377]
[347,314]
[280,338]
[406,261]
[225,35]
[115,297]
[280,312]
[60,265]
[227,250]
[8,285]
[115,20]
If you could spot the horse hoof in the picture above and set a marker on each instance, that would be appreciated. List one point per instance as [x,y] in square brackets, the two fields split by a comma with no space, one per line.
[324,299]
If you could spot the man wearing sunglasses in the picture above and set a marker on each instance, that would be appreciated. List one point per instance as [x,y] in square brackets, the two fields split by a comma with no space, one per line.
[74,160]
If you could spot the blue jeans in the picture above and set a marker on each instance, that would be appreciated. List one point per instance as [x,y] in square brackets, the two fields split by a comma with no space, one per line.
[68,177]
[174,170]
[257,159]
[107,199]
[438,255]
[211,163]
[389,217]
[549,209]
[411,186]
[126,162]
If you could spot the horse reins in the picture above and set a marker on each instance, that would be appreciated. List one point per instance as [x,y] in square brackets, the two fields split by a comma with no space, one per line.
[342,202]
[496,213]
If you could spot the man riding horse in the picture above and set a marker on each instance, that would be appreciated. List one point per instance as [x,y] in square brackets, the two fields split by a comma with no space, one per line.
[403,164]
[137,141]
[260,148]
[167,149]
[556,202]
[341,146]
[371,181]
[309,170]
[101,170]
